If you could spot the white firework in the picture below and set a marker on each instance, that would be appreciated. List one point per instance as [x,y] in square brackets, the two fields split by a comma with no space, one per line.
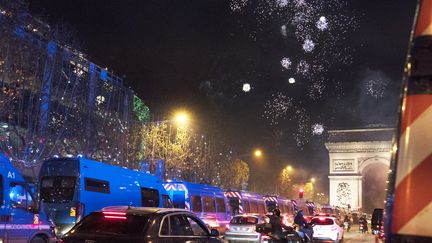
[276,108]
[237,5]
[299,3]
[303,67]
[282,3]
[286,62]
[308,45]
[322,23]
[284,31]
[246,87]
[317,129]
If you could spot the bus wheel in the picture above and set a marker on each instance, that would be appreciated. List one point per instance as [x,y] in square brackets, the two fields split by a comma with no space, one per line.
[38,239]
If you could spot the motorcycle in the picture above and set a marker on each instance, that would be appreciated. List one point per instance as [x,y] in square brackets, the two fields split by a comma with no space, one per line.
[347,226]
[289,235]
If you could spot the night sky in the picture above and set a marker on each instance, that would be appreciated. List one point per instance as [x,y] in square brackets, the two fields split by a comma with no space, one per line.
[197,54]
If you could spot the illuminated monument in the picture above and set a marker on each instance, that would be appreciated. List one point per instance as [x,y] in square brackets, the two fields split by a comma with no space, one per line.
[358,165]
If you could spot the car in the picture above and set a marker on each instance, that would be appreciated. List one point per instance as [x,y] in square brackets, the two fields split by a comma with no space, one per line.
[327,228]
[140,224]
[243,228]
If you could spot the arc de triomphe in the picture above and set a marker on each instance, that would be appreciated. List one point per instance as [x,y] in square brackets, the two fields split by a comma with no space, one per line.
[359,162]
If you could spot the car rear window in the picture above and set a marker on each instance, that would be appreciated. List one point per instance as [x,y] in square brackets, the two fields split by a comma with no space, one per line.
[322,221]
[244,220]
[97,223]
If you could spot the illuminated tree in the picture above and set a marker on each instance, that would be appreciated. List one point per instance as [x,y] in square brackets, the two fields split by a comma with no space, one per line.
[284,183]
[236,175]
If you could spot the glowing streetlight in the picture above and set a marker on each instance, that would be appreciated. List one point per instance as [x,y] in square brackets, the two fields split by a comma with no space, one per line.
[313,180]
[289,168]
[258,153]
[181,118]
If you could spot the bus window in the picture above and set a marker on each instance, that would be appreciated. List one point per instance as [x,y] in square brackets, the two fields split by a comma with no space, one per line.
[246,206]
[290,209]
[209,205]
[253,207]
[20,197]
[57,189]
[1,190]
[261,208]
[166,202]
[179,199]
[95,185]
[235,205]
[196,204]
[149,197]
[220,203]
[271,206]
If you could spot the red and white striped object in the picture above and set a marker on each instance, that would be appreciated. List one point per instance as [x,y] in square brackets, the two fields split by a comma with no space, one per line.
[412,207]
[424,20]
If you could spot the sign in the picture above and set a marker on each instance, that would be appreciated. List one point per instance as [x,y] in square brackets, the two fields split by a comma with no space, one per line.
[343,165]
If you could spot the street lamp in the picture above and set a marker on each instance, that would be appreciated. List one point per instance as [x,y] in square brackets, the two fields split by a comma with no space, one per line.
[181,118]
[313,180]
[289,168]
[258,153]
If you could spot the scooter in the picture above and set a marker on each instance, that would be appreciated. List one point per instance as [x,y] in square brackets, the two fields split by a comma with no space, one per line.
[347,226]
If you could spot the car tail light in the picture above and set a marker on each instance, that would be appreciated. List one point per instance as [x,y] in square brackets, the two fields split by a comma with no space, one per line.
[114,215]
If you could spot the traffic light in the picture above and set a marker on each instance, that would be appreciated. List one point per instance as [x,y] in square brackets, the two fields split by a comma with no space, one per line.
[301,192]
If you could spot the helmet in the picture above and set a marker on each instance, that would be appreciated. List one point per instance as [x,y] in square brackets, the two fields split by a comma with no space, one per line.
[276,212]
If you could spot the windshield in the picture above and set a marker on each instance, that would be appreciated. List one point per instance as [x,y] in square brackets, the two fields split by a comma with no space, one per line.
[322,221]
[57,189]
[327,210]
[132,225]
[244,220]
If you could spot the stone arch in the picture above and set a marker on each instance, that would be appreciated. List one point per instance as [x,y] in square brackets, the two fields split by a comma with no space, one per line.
[365,164]
[374,176]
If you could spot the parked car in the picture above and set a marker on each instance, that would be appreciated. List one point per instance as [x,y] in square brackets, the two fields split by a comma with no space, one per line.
[327,228]
[140,224]
[243,228]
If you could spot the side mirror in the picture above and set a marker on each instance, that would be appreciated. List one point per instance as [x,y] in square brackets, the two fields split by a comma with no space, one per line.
[214,233]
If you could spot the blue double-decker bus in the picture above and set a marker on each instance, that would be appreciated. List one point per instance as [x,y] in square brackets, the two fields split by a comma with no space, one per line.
[71,188]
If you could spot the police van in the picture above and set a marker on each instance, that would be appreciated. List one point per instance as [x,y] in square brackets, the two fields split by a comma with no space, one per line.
[71,188]
[205,201]
[20,219]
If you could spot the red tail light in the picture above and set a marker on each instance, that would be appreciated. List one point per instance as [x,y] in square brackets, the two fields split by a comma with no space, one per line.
[114,215]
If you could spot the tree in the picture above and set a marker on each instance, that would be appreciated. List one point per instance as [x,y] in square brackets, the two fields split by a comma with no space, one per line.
[284,183]
[236,175]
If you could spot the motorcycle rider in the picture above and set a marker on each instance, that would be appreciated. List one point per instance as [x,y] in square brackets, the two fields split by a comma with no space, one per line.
[347,223]
[276,225]
[305,228]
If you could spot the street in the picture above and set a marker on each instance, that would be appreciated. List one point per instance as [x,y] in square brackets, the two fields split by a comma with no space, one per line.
[355,236]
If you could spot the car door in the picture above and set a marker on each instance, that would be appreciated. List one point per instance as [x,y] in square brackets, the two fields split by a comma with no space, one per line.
[183,228]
